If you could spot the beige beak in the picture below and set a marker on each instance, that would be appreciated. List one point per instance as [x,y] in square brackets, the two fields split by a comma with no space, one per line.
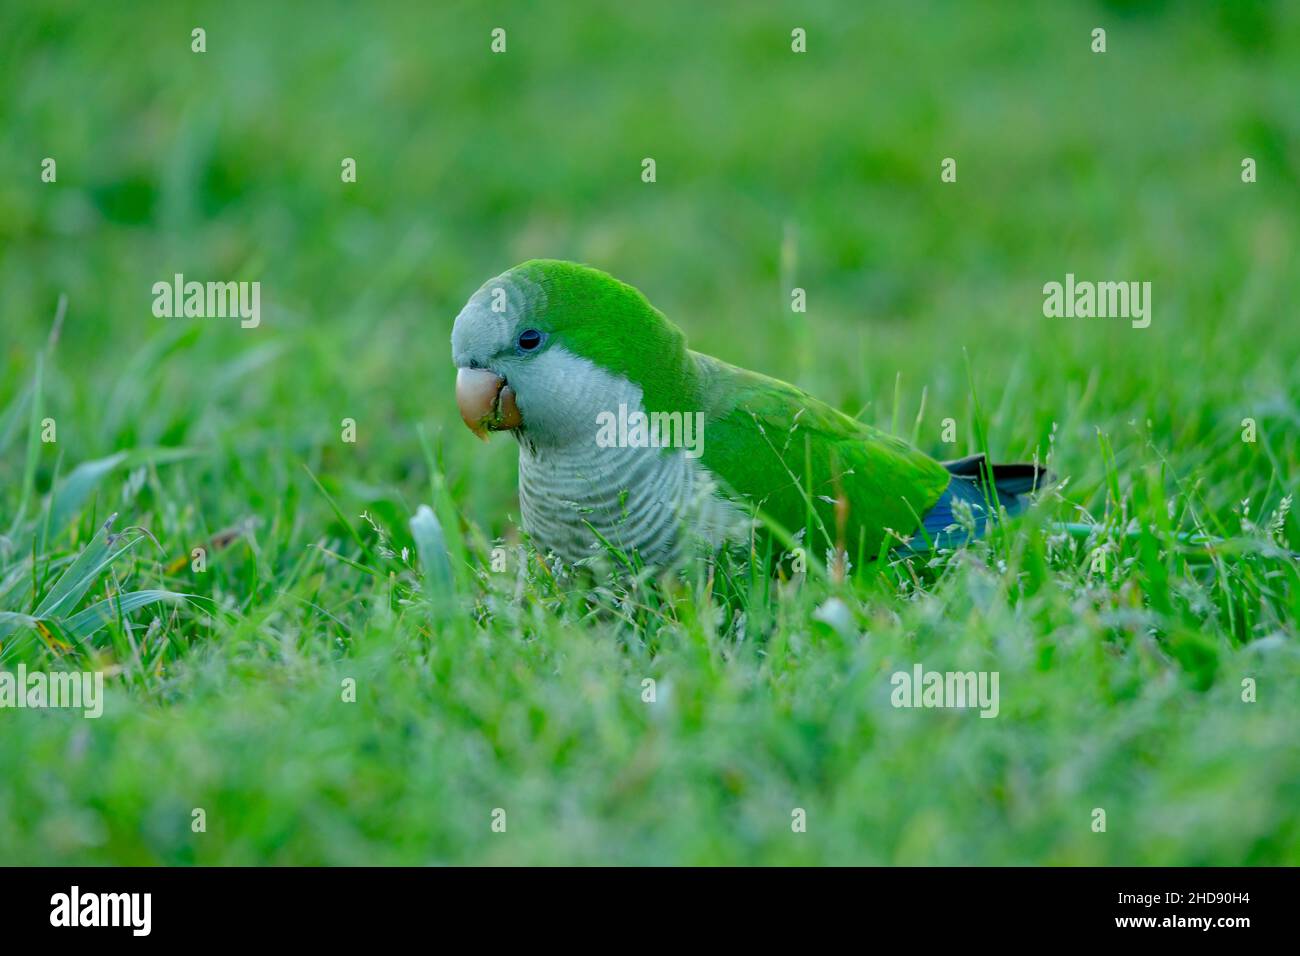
[486,402]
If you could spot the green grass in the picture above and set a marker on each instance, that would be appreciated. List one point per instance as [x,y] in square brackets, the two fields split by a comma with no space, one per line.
[1121,688]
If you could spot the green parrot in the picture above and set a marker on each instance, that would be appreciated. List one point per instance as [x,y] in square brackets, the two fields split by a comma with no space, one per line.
[629,439]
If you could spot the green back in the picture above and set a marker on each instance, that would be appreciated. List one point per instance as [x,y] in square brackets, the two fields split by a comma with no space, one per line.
[778,449]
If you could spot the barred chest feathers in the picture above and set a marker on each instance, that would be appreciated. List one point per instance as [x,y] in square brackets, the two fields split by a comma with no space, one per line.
[658,502]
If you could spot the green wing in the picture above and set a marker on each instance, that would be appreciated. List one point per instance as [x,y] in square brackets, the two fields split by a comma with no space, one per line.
[791,457]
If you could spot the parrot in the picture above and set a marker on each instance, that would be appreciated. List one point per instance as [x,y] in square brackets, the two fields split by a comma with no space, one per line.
[630,440]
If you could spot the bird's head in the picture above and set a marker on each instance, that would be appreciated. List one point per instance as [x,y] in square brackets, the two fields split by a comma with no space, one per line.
[545,347]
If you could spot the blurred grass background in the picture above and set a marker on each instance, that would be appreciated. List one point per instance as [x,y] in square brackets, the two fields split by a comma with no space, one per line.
[774,169]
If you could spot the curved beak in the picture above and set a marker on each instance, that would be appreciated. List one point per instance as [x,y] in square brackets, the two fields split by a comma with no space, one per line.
[486,402]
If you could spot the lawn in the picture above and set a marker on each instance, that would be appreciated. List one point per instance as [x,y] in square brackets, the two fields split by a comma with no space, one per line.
[328,683]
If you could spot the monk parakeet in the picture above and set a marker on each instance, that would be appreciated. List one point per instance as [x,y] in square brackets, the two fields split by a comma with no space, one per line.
[629,439]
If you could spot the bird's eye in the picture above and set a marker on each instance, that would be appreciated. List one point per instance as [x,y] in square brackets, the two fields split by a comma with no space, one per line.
[529,339]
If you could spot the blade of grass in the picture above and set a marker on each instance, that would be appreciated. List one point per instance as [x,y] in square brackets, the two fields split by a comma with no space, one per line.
[87,622]
[431,545]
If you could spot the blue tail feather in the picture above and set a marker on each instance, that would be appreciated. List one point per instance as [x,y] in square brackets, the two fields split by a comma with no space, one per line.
[940,527]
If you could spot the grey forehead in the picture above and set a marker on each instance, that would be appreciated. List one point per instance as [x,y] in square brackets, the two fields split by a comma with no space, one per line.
[480,331]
